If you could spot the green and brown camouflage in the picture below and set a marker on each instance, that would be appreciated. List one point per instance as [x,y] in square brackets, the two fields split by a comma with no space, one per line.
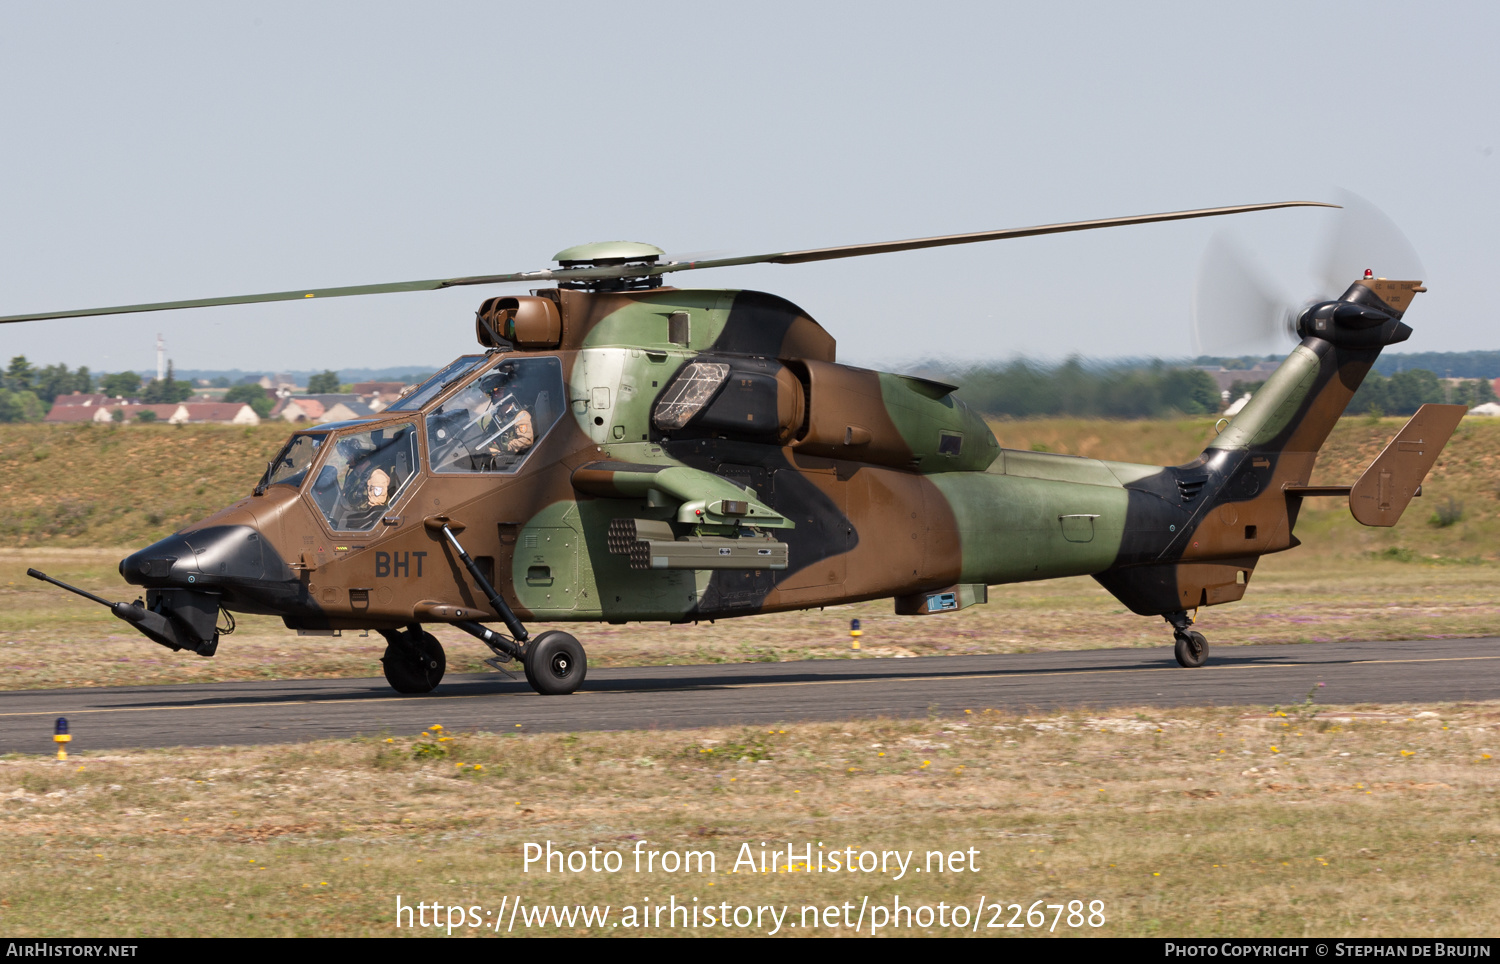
[627,451]
[705,456]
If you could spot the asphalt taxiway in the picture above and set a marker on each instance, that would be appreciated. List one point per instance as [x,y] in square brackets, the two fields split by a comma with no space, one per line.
[670,697]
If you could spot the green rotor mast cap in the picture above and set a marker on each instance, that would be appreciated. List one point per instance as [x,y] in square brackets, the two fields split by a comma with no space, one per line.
[608,252]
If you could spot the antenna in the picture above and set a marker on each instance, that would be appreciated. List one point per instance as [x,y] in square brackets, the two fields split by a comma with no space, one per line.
[161,356]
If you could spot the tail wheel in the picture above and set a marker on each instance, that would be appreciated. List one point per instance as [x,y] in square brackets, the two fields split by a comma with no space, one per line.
[555,663]
[413,662]
[1191,649]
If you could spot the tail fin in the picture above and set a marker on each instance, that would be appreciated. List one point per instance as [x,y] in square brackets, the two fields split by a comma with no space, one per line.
[1242,495]
[1300,403]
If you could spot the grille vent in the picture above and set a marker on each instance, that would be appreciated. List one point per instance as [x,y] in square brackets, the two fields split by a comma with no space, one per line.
[1189,487]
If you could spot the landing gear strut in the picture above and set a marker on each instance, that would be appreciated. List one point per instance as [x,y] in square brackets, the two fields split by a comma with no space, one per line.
[414,661]
[1192,648]
[555,662]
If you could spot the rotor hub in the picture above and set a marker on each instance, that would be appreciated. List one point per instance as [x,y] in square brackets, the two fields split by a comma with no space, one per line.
[613,255]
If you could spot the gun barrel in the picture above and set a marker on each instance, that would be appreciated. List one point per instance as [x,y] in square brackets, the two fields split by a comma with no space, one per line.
[36,574]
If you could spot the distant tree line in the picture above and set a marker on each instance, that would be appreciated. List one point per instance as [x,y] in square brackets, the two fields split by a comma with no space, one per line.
[253,395]
[1444,364]
[1023,388]
[1404,392]
[1019,388]
[27,392]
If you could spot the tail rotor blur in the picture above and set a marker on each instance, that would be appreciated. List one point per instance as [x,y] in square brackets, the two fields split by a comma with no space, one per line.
[1238,309]
[1361,237]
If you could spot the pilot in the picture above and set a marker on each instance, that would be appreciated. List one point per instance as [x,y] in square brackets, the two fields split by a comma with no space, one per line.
[365,485]
[506,424]
[519,434]
[378,487]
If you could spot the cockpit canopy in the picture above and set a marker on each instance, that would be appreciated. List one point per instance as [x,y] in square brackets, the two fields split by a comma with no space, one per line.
[493,422]
[358,470]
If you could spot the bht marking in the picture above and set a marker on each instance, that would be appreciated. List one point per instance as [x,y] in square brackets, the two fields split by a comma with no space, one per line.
[397,563]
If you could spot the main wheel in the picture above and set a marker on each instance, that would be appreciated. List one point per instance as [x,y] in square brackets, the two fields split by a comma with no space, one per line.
[414,663]
[1191,649]
[555,663]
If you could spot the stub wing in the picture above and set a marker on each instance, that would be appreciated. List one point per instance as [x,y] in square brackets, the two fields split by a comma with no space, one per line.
[698,497]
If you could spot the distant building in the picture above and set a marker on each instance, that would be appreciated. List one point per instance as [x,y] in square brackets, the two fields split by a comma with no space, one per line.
[228,413]
[1488,408]
[181,413]
[378,395]
[1236,405]
[278,385]
[80,398]
[378,388]
[1226,377]
[81,407]
[321,408]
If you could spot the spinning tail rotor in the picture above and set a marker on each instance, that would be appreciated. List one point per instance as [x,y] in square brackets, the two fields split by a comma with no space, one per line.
[1241,309]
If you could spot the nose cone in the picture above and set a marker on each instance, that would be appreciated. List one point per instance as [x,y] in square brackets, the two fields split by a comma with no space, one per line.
[207,557]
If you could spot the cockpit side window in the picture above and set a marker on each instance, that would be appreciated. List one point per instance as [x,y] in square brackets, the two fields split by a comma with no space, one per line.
[364,474]
[291,466]
[493,423]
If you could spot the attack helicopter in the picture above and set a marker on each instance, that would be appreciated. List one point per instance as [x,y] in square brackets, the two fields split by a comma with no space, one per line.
[623,450]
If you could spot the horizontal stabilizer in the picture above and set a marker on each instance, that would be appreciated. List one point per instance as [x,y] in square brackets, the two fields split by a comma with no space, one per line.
[1388,485]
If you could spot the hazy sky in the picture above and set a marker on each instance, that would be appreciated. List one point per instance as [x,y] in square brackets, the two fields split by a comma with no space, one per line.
[165,151]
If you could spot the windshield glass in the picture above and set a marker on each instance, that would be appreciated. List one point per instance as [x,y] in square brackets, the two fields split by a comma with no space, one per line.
[493,422]
[290,467]
[364,475]
[434,386]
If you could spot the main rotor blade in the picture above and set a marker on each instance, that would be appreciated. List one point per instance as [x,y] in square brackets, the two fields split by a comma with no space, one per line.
[884,247]
[297,295]
[613,271]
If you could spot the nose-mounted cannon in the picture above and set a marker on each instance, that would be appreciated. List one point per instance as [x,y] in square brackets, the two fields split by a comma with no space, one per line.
[176,618]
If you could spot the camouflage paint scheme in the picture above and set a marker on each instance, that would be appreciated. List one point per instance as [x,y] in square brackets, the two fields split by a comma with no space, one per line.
[880,485]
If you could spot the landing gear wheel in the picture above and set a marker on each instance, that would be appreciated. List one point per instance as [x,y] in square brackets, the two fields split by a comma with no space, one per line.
[555,663]
[414,661]
[1191,649]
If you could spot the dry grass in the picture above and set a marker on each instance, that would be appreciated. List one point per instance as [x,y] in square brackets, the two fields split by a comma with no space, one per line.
[1183,822]
[113,485]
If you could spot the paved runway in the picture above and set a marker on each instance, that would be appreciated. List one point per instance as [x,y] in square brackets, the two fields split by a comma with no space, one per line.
[666,697]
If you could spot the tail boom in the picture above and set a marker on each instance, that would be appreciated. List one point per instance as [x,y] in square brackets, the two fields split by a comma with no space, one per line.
[1245,491]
